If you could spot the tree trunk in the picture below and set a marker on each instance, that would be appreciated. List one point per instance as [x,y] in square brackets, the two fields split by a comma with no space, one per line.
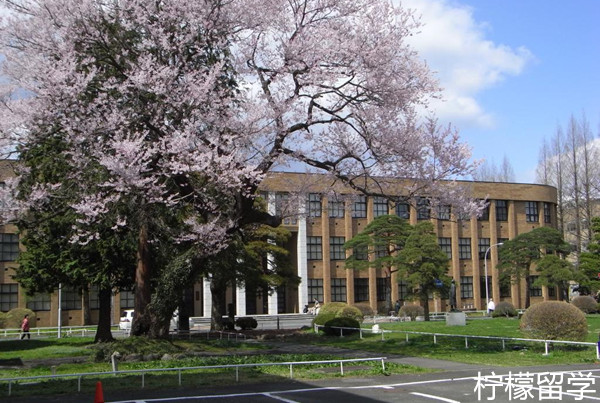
[216,316]
[425,303]
[527,294]
[87,313]
[143,292]
[103,333]
[185,309]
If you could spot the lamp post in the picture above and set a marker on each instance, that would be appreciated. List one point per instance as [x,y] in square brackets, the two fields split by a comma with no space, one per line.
[487,296]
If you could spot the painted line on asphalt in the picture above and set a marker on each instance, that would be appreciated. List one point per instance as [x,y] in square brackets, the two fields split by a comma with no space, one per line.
[442,399]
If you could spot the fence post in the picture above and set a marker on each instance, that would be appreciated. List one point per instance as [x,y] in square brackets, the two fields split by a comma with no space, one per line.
[237,374]
[503,345]
[291,371]
[382,365]
[546,347]
[341,368]
[382,335]
[360,332]
[179,375]
[143,380]
[434,339]
[466,342]
[341,332]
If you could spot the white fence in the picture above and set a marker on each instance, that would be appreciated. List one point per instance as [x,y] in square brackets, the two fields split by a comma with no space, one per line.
[376,330]
[143,372]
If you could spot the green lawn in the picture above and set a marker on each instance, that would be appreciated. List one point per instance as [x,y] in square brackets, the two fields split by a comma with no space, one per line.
[487,352]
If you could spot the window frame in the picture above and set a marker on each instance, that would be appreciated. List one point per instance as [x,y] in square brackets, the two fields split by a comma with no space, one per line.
[466,287]
[464,249]
[336,248]
[501,210]
[532,213]
[9,247]
[338,290]
[359,207]
[315,289]
[381,206]
[314,247]
[315,205]
[361,289]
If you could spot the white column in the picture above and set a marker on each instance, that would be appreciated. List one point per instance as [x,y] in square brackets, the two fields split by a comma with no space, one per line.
[207,297]
[272,303]
[302,261]
[240,298]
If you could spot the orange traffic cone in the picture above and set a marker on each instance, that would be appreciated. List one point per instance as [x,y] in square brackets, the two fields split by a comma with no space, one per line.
[99,398]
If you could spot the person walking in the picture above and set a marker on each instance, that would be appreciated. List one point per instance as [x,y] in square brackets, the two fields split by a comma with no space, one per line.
[25,328]
[491,306]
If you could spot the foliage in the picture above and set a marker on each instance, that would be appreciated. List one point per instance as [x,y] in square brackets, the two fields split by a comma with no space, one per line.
[345,322]
[365,309]
[181,109]
[15,316]
[342,310]
[246,323]
[585,303]
[412,311]
[504,308]
[377,245]
[3,320]
[422,263]
[589,261]
[517,256]
[555,272]
[554,320]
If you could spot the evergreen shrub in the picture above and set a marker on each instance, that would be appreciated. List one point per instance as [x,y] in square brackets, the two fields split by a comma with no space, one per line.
[332,327]
[554,320]
[15,316]
[412,311]
[586,303]
[504,308]
[246,323]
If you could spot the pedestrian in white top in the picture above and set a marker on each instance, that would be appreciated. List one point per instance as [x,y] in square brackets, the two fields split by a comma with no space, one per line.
[491,306]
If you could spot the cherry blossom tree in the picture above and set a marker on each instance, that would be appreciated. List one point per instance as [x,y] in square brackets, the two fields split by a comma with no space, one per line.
[185,106]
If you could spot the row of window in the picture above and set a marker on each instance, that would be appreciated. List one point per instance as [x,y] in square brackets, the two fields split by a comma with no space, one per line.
[314,246]
[70,299]
[336,209]
[361,289]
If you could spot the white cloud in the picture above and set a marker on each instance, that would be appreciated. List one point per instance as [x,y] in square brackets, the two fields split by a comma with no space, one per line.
[466,63]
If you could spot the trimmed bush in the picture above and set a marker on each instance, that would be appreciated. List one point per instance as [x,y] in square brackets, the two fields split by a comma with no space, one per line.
[332,307]
[322,318]
[332,326]
[554,320]
[15,316]
[342,310]
[246,323]
[505,308]
[412,311]
[365,309]
[2,320]
[586,303]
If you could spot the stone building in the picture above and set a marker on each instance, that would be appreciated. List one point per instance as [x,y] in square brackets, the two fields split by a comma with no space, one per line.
[320,225]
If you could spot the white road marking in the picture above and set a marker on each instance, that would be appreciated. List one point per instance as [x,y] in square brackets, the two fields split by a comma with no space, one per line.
[443,399]
[380,386]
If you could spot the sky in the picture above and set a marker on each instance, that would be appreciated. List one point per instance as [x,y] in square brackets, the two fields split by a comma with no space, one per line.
[513,71]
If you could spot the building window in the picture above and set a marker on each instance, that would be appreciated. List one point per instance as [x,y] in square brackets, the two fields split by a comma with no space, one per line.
[533,290]
[531,212]
[314,248]
[552,291]
[485,214]
[501,210]
[403,210]
[484,244]
[9,247]
[402,290]
[482,286]
[443,212]
[360,253]
[127,299]
[423,209]
[336,248]
[338,289]
[71,299]
[315,289]
[9,297]
[361,289]
[381,251]
[94,299]
[547,213]
[314,205]
[39,302]
[282,209]
[336,208]
[380,206]
[446,246]
[466,287]
[383,288]
[464,248]
[359,207]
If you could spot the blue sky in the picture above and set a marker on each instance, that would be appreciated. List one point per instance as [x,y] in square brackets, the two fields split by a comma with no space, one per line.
[513,70]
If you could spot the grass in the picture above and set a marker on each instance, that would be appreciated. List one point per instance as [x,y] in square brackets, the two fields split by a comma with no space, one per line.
[184,353]
[485,352]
